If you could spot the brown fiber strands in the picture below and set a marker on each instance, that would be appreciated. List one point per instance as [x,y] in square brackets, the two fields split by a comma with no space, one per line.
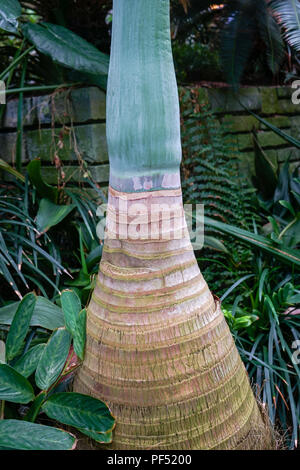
[159,351]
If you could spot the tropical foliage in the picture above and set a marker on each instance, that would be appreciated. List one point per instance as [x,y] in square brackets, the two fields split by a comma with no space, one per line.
[37,220]
[256,266]
[41,347]
[49,249]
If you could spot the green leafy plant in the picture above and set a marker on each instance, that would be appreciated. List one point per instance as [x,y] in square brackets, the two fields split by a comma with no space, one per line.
[33,374]
[265,321]
[64,47]
[36,220]
[210,165]
[51,213]
[278,192]
[26,255]
[288,14]
[287,255]
[211,176]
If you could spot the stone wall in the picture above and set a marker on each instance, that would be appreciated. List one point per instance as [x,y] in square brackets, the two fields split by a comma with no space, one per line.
[275,104]
[66,130]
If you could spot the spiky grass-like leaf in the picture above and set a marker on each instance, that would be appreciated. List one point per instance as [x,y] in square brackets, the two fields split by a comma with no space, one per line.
[288,14]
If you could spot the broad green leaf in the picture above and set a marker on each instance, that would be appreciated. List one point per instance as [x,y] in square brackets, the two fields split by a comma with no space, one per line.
[13,386]
[46,314]
[50,214]
[80,411]
[22,435]
[27,364]
[10,10]
[20,326]
[294,300]
[66,48]
[80,334]
[101,438]
[71,307]
[2,352]
[44,189]
[53,359]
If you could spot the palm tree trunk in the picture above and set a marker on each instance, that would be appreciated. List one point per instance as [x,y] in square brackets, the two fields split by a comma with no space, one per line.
[159,351]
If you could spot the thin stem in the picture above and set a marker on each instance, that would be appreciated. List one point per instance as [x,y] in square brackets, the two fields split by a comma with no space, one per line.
[19,146]
[10,76]
[287,228]
[39,88]
[2,409]
[15,62]
[35,407]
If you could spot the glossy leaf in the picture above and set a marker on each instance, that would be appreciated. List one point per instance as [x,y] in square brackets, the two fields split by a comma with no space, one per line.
[71,307]
[80,334]
[13,386]
[27,364]
[53,359]
[10,10]
[20,326]
[66,48]
[22,435]
[46,314]
[50,214]
[80,411]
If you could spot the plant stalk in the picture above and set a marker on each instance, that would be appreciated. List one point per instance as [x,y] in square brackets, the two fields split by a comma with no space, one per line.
[15,62]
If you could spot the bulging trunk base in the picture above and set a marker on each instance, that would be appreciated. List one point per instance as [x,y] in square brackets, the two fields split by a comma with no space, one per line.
[159,351]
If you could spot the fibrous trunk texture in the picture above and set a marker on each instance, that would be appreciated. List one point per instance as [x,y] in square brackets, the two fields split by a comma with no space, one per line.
[159,351]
